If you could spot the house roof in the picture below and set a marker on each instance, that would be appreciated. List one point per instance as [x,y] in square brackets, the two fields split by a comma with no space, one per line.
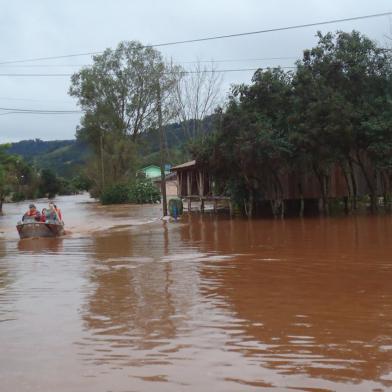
[168,177]
[149,167]
[184,165]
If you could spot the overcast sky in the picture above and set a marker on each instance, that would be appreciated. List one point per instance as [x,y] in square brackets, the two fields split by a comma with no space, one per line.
[42,28]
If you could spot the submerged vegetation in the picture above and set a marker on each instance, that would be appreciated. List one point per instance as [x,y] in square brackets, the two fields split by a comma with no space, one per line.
[140,191]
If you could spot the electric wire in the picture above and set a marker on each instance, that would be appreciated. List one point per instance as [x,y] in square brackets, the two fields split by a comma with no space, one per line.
[217,37]
[181,72]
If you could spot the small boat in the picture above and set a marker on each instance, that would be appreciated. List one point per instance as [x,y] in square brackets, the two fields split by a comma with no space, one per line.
[33,229]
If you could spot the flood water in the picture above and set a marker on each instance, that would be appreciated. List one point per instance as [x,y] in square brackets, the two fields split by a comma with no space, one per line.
[129,303]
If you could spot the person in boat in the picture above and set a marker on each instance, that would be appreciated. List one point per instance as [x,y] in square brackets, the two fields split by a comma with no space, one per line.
[43,215]
[60,215]
[54,213]
[32,214]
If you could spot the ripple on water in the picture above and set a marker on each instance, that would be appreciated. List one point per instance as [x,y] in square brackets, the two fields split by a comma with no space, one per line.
[294,305]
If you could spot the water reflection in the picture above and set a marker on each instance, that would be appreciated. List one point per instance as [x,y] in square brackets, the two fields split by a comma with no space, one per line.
[316,295]
[208,303]
[41,245]
[138,301]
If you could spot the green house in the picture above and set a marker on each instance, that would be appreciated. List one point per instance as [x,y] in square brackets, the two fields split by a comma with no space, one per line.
[153,171]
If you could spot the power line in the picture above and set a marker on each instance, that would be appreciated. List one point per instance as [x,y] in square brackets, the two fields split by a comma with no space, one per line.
[236,69]
[237,60]
[177,62]
[182,72]
[43,112]
[36,100]
[34,74]
[274,29]
[50,58]
[39,111]
[293,27]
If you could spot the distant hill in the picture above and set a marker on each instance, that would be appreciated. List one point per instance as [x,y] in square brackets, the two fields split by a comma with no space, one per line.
[64,157]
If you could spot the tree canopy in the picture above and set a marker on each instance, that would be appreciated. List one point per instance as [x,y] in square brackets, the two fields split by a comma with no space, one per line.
[334,110]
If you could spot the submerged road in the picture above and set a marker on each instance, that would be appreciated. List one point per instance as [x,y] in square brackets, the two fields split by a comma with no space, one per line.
[128,303]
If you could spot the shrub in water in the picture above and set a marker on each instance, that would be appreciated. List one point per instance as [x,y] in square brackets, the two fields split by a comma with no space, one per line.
[144,191]
[18,196]
[115,194]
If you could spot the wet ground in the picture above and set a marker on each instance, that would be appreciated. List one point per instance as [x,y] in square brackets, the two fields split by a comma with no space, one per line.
[128,303]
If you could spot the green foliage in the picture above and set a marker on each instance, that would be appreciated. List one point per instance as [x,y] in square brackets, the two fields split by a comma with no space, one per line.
[49,184]
[81,183]
[334,110]
[18,196]
[115,194]
[141,191]
[119,95]
[64,157]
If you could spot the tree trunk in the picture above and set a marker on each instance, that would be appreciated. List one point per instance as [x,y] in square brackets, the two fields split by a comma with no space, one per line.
[346,208]
[324,188]
[248,204]
[385,189]
[353,184]
[251,201]
[279,196]
[369,183]
[302,201]
[274,202]
[102,164]
[349,190]
[326,195]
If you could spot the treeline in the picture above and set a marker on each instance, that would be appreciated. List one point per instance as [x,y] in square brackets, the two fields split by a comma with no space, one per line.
[64,157]
[333,112]
[19,180]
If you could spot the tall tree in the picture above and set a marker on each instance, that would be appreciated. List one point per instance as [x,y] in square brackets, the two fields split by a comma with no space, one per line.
[342,94]
[250,150]
[8,175]
[118,94]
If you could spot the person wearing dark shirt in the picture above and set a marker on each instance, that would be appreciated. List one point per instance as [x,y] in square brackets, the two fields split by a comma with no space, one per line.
[32,214]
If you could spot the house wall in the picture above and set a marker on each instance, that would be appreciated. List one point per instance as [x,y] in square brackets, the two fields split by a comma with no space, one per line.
[152,172]
[193,182]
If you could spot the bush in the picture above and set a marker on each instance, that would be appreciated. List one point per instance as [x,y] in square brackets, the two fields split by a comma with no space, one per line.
[18,196]
[81,182]
[115,194]
[144,191]
[49,184]
[140,192]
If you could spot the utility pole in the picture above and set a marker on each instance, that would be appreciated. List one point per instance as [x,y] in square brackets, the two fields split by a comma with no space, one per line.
[162,149]
[102,165]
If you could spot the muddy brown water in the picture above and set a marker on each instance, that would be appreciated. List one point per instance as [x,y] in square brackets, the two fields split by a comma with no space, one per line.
[128,303]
